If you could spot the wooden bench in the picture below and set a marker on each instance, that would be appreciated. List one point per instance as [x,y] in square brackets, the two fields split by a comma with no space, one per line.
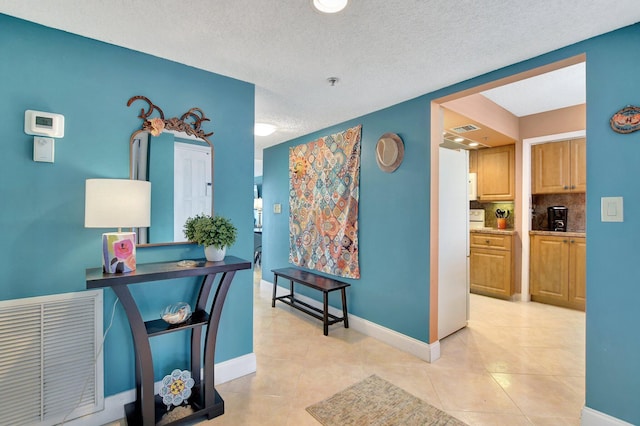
[317,282]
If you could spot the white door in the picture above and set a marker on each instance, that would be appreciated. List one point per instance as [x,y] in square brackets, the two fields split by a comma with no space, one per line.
[453,284]
[191,185]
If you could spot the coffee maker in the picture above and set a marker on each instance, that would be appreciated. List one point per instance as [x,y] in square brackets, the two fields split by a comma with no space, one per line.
[557,217]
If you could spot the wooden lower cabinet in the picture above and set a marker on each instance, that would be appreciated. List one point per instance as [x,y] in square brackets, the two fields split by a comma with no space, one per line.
[491,265]
[558,270]
[578,272]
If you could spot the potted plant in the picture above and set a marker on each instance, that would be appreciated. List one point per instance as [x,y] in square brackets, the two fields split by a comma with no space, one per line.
[215,233]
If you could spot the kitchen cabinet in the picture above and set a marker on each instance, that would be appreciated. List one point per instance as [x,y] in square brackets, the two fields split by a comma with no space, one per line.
[473,161]
[559,167]
[491,264]
[496,173]
[558,270]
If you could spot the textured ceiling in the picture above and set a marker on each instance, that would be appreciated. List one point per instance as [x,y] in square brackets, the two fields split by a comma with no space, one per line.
[383,51]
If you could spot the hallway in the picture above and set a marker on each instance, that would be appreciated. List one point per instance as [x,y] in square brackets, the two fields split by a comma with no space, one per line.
[515,364]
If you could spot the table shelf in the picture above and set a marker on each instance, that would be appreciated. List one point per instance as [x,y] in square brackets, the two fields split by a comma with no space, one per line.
[148,408]
[159,326]
[195,401]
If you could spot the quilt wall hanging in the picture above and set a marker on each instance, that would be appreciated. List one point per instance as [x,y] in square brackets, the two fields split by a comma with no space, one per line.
[324,178]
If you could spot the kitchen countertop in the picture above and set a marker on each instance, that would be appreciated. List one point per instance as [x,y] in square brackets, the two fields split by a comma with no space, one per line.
[559,234]
[510,231]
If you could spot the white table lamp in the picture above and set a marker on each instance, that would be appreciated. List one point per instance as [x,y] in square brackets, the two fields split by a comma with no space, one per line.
[117,203]
[257,205]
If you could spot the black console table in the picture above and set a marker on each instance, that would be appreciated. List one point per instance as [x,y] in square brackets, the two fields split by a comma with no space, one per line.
[205,400]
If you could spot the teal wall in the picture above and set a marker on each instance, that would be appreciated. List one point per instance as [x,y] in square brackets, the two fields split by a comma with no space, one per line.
[613,290]
[161,174]
[258,182]
[45,248]
[394,218]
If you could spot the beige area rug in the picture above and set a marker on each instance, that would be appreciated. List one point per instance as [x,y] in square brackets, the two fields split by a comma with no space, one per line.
[375,401]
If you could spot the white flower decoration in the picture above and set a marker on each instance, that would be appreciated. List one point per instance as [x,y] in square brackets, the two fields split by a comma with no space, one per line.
[176,387]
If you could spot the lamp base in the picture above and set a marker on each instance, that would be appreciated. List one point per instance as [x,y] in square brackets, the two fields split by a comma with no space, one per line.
[118,252]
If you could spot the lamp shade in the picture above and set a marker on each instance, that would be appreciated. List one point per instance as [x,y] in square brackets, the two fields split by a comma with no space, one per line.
[257,203]
[117,203]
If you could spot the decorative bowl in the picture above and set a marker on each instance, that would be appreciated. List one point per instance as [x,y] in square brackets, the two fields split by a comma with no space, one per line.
[176,313]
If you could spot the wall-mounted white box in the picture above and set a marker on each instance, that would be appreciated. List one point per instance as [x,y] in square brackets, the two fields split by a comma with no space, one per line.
[43,149]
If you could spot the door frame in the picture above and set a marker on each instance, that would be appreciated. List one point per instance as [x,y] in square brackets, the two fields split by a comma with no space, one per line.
[525,208]
[435,139]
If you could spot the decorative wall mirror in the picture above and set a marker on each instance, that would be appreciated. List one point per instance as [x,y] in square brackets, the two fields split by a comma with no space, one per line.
[176,156]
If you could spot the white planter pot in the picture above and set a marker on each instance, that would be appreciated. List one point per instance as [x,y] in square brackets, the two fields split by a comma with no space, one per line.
[214,254]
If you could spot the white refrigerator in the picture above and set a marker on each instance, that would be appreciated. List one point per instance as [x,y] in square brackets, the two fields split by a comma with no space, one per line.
[453,266]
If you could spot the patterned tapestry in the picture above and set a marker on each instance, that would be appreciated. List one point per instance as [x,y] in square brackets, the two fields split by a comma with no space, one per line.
[324,180]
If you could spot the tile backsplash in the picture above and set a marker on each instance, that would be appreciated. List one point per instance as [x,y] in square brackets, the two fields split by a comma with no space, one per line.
[490,212]
[575,203]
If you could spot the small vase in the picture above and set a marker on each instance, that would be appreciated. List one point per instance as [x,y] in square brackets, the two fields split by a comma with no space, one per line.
[214,254]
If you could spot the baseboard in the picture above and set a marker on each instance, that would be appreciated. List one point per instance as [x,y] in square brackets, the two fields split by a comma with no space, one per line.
[591,417]
[424,351]
[114,404]
[236,367]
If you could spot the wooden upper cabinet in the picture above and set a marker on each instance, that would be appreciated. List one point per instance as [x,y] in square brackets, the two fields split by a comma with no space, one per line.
[473,161]
[579,165]
[496,173]
[559,167]
[550,163]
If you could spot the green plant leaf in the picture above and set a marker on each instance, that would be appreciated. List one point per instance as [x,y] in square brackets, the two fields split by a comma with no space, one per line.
[208,230]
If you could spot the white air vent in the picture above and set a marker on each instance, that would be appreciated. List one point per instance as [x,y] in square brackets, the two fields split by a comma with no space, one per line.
[48,349]
[465,128]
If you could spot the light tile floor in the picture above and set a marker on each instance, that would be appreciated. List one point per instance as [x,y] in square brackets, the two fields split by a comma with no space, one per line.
[515,364]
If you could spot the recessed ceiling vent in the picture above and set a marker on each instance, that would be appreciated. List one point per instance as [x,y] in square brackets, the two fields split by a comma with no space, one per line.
[465,128]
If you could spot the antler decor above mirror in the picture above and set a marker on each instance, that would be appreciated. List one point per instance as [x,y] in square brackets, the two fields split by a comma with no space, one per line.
[152,126]
[178,161]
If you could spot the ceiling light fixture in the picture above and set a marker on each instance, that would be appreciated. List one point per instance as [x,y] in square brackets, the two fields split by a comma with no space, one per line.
[263,129]
[458,139]
[474,144]
[330,6]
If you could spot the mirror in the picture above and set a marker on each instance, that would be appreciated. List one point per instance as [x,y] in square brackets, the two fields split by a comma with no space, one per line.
[176,156]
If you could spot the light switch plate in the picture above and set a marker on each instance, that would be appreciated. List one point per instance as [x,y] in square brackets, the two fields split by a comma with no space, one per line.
[611,209]
[277,208]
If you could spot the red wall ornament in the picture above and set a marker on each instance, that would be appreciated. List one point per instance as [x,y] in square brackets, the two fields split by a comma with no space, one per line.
[627,120]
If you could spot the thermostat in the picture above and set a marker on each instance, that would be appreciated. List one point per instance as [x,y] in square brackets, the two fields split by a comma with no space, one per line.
[41,123]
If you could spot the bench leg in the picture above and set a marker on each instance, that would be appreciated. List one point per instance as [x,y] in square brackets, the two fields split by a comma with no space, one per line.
[325,300]
[345,316]
[275,286]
